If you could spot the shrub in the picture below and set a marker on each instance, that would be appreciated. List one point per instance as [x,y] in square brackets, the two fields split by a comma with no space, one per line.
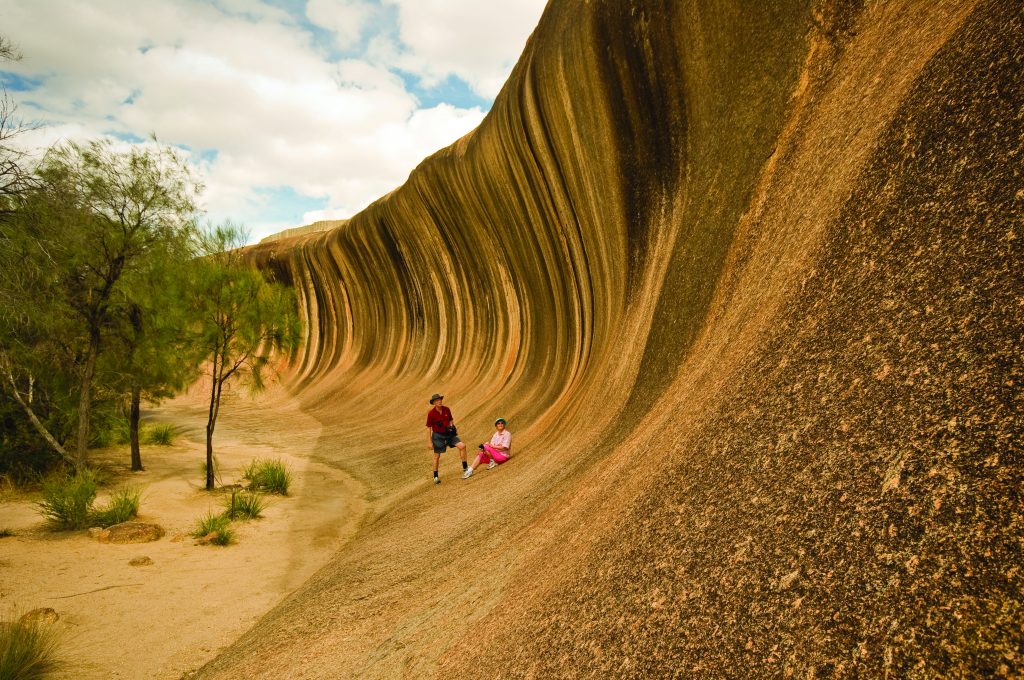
[161,435]
[28,650]
[121,431]
[244,505]
[216,525]
[271,476]
[5,533]
[124,505]
[107,426]
[67,501]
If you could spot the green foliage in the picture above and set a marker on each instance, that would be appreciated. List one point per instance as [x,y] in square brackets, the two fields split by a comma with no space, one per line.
[67,500]
[161,435]
[124,505]
[6,533]
[244,318]
[24,455]
[271,476]
[77,262]
[215,524]
[28,650]
[244,505]
[121,432]
[108,425]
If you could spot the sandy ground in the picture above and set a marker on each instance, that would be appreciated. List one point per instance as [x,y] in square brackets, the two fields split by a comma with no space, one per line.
[159,621]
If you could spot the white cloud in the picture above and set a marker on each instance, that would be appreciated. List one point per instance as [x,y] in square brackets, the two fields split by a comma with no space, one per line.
[477,41]
[345,18]
[246,80]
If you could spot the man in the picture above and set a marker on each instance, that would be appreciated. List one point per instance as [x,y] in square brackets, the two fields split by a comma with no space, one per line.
[441,432]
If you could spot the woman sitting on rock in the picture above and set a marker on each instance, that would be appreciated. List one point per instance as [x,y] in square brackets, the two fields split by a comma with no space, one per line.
[496,452]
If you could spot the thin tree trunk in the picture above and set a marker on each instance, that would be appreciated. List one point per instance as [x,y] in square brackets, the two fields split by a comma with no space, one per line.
[84,402]
[133,426]
[43,432]
[211,422]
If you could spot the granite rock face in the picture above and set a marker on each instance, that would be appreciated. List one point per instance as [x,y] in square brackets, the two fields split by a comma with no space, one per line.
[746,282]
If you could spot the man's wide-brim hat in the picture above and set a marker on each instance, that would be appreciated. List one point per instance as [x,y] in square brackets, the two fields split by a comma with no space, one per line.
[436,397]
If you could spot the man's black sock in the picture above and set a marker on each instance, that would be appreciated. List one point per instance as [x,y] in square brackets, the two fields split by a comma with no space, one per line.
[464,466]
[435,474]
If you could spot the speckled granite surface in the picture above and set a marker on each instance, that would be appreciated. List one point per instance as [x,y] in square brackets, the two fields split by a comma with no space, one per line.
[747,284]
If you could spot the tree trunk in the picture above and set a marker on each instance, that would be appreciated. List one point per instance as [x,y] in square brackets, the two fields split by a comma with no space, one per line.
[211,422]
[85,401]
[209,455]
[133,426]
[36,423]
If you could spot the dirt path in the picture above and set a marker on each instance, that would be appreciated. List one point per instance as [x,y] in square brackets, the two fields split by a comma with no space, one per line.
[158,621]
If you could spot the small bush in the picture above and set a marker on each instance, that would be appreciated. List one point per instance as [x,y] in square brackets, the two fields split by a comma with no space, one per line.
[161,435]
[67,501]
[107,427]
[271,476]
[6,487]
[6,533]
[216,525]
[244,505]
[28,650]
[122,431]
[124,505]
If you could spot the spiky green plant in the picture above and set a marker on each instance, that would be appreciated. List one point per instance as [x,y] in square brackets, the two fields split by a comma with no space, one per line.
[244,505]
[161,435]
[215,524]
[28,650]
[124,505]
[67,500]
[271,476]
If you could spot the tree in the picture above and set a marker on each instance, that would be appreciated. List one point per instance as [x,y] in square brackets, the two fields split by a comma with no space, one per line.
[156,355]
[70,249]
[14,175]
[244,320]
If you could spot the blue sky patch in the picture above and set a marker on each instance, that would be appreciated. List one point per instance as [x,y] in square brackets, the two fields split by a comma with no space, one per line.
[15,82]
[452,90]
[126,136]
[284,204]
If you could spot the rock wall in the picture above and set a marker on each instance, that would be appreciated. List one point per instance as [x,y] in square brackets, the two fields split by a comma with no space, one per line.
[745,281]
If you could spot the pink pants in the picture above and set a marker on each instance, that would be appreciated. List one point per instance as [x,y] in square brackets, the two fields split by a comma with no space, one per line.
[490,452]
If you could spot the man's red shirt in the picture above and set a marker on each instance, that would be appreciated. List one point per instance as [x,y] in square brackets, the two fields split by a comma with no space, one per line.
[439,422]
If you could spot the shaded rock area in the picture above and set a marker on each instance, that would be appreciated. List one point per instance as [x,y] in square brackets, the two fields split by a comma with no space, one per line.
[745,280]
[128,532]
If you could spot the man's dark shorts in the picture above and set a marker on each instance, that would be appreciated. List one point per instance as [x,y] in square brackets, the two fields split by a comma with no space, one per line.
[443,442]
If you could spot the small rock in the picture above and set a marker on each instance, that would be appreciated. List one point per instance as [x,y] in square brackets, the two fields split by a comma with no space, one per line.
[132,532]
[42,615]
[787,581]
[140,562]
[99,534]
[207,539]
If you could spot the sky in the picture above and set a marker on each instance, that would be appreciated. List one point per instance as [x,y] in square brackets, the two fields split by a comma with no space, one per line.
[290,111]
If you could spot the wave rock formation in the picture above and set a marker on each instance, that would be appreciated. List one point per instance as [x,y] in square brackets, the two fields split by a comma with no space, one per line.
[745,280]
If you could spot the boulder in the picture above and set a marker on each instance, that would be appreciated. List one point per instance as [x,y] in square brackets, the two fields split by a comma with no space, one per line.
[140,562]
[41,615]
[130,532]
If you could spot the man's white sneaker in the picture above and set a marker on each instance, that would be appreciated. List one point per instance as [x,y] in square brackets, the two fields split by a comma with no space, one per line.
[492,465]
[436,480]
[468,473]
